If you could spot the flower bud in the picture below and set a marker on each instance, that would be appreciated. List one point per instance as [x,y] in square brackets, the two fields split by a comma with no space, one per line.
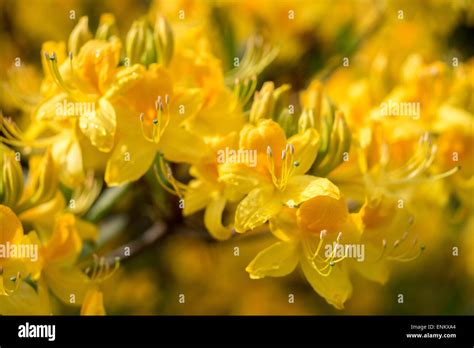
[107,27]
[140,46]
[79,35]
[11,177]
[164,41]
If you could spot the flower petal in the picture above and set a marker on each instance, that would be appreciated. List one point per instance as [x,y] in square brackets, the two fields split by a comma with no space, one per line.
[336,288]
[11,229]
[300,188]
[130,159]
[99,125]
[306,146]
[277,260]
[196,197]
[93,303]
[257,208]
[213,219]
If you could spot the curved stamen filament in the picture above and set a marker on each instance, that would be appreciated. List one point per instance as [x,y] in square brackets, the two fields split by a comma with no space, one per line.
[177,188]
[12,135]
[55,73]
[288,165]
[313,256]
[101,270]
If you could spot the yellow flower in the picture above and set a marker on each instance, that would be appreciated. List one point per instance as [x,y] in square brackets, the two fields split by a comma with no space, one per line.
[14,268]
[151,118]
[277,176]
[205,191]
[319,224]
[93,303]
[387,236]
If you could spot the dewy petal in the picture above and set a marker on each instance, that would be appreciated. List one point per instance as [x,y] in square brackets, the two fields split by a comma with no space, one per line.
[336,288]
[306,146]
[239,178]
[99,125]
[257,208]
[93,303]
[300,188]
[213,219]
[277,260]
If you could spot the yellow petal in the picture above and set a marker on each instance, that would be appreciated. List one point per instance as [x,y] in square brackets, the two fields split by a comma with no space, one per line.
[306,146]
[283,226]
[210,122]
[277,260]
[130,159]
[213,219]
[322,213]
[68,284]
[93,303]
[180,145]
[26,301]
[52,108]
[99,125]
[65,243]
[336,288]
[372,267]
[97,63]
[197,196]
[239,179]
[87,230]
[300,188]
[43,214]
[67,154]
[11,229]
[257,208]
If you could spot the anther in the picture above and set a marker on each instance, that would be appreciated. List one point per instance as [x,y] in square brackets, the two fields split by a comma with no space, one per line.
[269,151]
[339,237]
[322,235]
[291,148]
[283,154]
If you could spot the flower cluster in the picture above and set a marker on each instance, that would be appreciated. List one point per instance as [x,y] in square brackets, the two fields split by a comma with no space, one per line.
[337,172]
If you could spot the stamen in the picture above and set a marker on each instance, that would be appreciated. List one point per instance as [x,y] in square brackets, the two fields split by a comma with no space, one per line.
[73,93]
[177,188]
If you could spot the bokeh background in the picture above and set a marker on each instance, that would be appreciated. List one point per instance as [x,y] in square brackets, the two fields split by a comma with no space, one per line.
[185,260]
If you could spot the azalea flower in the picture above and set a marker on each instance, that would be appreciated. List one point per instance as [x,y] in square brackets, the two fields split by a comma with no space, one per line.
[304,235]
[278,178]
